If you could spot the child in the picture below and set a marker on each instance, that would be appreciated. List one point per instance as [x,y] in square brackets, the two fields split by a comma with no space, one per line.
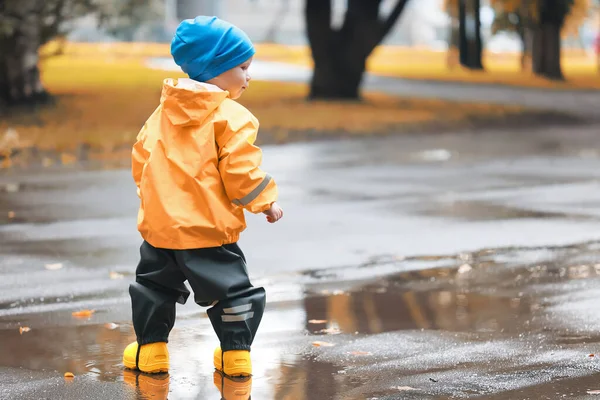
[197,169]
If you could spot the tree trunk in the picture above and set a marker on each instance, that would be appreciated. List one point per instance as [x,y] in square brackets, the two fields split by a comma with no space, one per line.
[453,54]
[271,35]
[546,52]
[20,82]
[340,56]
[463,45]
[546,42]
[337,77]
[526,34]
[470,45]
[477,44]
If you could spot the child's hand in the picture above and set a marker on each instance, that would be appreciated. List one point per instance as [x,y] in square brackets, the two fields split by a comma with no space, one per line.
[274,214]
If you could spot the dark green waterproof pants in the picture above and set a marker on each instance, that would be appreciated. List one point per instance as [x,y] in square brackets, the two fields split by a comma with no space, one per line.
[219,280]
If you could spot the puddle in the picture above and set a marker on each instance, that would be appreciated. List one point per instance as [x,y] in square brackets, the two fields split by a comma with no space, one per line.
[482,211]
[469,321]
[377,310]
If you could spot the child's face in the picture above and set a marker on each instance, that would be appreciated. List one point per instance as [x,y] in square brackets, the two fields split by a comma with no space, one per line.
[235,81]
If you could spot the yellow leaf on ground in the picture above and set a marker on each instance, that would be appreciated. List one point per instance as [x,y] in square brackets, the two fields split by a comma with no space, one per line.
[405,388]
[83,313]
[322,344]
[69,375]
[317,321]
[23,329]
[12,187]
[331,331]
[111,326]
[361,353]
[115,275]
[67,159]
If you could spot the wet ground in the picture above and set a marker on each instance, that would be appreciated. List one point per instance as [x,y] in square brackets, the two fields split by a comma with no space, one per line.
[454,266]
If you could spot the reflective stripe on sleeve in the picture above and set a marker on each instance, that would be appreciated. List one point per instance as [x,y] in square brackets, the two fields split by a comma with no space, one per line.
[247,199]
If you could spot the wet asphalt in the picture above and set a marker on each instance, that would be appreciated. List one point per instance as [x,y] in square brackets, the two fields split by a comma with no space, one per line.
[448,266]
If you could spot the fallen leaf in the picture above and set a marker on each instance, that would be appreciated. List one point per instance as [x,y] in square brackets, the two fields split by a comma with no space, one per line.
[69,375]
[111,326]
[115,275]
[66,158]
[330,331]
[432,380]
[12,187]
[592,355]
[317,321]
[405,388]
[24,329]
[593,392]
[83,313]
[463,269]
[53,267]
[322,344]
[360,353]
[11,214]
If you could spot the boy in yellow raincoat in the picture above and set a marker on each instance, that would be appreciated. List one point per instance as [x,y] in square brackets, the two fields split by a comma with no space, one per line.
[197,169]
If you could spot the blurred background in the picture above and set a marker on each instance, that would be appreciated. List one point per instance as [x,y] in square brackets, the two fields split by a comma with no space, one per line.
[90,59]
[437,162]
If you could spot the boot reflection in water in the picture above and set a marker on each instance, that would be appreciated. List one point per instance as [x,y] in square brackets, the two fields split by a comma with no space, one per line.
[155,386]
[233,388]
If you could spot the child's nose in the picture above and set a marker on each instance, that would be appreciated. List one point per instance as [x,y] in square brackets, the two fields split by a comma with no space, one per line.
[248,78]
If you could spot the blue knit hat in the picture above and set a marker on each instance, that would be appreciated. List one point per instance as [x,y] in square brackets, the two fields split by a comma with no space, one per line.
[205,47]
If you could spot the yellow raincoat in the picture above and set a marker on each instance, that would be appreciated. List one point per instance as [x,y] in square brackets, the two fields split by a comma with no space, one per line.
[197,168]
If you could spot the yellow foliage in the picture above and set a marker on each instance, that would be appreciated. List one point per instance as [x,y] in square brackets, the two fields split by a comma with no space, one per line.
[103,101]
[576,17]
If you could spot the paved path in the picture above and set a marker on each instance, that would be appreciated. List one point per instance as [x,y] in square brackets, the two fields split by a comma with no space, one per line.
[581,103]
[461,265]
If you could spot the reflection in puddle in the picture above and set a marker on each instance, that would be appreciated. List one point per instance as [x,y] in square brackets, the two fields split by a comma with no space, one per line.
[148,386]
[233,388]
[380,310]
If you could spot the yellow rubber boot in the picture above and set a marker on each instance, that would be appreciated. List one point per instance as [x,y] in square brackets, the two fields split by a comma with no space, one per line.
[233,362]
[153,358]
[233,388]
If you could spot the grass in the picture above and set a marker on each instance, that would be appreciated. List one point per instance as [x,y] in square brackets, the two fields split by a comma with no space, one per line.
[105,94]
[580,69]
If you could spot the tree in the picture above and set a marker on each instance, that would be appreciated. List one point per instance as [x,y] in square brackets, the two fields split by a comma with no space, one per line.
[26,25]
[271,35]
[470,46]
[540,24]
[518,20]
[468,36]
[340,55]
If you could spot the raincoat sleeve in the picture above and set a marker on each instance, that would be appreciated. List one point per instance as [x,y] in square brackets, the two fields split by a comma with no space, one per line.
[239,166]
[139,156]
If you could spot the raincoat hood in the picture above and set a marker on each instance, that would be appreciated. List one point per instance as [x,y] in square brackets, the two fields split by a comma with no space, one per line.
[187,102]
